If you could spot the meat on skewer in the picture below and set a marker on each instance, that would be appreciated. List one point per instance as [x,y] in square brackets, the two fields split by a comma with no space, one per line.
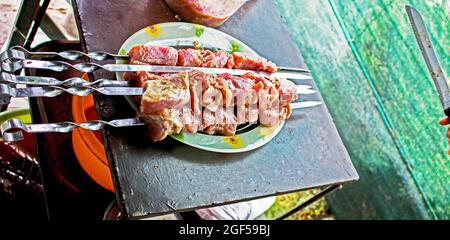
[215,104]
[163,55]
[154,55]
[195,101]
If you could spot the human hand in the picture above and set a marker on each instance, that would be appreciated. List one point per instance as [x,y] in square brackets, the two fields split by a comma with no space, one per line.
[443,122]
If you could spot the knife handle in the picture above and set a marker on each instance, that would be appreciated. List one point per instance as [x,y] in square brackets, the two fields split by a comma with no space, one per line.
[447,112]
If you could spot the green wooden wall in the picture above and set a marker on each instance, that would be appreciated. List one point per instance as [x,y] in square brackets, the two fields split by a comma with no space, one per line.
[370,71]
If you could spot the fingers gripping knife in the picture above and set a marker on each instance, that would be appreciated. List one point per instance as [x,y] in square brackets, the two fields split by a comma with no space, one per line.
[423,39]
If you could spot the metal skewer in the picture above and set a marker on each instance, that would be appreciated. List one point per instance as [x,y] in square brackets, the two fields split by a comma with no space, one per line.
[16,59]
[13,65]
[20,53]
[50,81]
[53,91]
[11,129]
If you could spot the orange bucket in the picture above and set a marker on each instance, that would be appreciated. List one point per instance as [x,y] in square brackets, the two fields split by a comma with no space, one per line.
[88,145]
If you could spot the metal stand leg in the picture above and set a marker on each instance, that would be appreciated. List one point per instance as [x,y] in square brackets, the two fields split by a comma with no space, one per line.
[308,202]
[31,15]
[27,22]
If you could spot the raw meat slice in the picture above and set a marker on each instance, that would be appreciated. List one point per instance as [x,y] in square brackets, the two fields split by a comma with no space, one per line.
[162,124]
[215,104]
[189,58]
[243,89]
[207,12]
[212,98]
[218,59]
[204,58]
[162,55]
[287,91]
[252,62]
[222,121]
[169,92]
[154,55]
[191,121]
[228,91]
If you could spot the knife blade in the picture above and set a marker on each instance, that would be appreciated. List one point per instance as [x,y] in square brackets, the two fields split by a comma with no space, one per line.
[431,60]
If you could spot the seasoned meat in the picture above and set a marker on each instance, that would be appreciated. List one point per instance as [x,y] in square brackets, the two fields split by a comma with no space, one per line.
[195,90]
[215,104]
[207,12]
[162,124]
[138,79]
[212,98]
[243,89]
[203,79]
[287,91]
[191,121]
[265,87]
[252,62]
[197,101]
[154,55]
[227,89]
[161,55]
[189,58]
[204,58]
[222,121]
[168,92]
[218,59]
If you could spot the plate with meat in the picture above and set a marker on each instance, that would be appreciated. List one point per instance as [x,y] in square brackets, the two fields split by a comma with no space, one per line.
[214,112]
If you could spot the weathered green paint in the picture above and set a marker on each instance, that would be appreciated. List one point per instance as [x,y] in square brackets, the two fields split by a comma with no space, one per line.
[368,67]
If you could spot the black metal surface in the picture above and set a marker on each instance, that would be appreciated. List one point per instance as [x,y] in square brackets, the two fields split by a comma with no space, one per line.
[155,178]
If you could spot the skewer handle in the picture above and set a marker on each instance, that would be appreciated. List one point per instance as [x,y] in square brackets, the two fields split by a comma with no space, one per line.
[53,91]
[89,67]
[50,81]
[19,52]
[6,91]
[11,130]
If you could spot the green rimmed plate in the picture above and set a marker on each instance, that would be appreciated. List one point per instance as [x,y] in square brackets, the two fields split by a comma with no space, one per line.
[179,32]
